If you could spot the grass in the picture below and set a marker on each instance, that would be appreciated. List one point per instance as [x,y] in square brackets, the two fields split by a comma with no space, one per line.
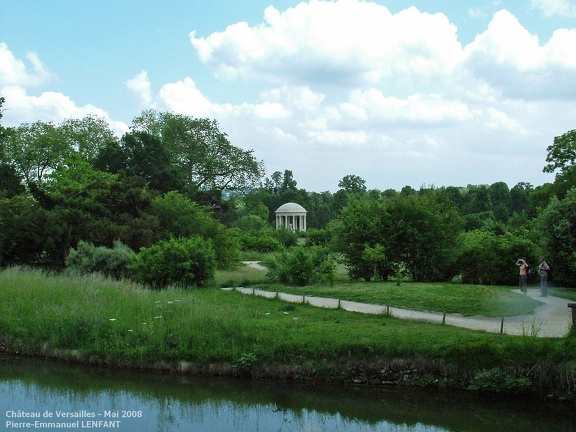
[120,323]
[468,300]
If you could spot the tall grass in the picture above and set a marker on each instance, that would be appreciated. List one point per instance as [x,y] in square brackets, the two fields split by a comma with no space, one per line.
[122,323]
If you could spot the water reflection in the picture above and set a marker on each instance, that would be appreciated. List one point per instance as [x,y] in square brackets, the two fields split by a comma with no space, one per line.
[160,402]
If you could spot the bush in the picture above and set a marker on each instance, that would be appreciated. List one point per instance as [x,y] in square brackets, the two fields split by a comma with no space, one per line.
[300,266]
[87,259]
[261,243]
[181,262]
[286,237]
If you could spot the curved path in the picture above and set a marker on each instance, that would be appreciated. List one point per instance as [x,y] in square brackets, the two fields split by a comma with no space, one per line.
[551,319]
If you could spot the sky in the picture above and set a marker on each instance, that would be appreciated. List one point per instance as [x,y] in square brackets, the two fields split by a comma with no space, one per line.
[400,93]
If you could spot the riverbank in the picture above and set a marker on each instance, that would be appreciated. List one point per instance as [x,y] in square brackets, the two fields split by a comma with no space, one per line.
[213,332]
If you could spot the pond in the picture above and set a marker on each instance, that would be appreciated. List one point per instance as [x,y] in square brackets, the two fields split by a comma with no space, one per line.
[45,395]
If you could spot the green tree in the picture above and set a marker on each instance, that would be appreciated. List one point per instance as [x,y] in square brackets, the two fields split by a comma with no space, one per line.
[352,184]
[561,153]
[144,155]
[557,229]
[35,150]
[200,152]
[88,136]
[364,222]
[423,232]
[85,204]
[22,236]
[181,217]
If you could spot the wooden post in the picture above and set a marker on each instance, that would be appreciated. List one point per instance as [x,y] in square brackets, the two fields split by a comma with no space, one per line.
[573,307]
[502,325]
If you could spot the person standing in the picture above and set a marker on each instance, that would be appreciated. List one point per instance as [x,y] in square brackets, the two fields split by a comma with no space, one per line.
[543,269]
[523,274]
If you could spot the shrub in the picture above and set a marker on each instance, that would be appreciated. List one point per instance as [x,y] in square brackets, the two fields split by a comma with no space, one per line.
[299,266]
[111,262]
[260,243]
[181,262]
[286,237]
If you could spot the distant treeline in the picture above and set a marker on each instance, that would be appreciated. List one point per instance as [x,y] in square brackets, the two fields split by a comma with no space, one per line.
[177,177]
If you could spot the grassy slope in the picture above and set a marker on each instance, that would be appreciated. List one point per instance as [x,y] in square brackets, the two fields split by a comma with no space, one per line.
[121,322]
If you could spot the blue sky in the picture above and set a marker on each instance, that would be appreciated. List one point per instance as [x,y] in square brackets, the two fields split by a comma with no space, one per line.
[429,92]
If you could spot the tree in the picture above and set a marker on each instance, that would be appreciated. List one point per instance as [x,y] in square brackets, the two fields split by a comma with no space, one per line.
[88,136]
[352,184]
[22,237]
[144,155]
[417,233]
[36,149]
[180,217]
[557,228]
[562,153]
[363,223]
[200,152]
[81,203]
[423,235]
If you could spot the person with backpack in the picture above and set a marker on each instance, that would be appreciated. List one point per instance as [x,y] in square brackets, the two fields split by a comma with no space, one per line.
[543,272]
[523,274]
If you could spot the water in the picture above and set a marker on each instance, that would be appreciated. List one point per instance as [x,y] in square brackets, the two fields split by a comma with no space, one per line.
[104,399]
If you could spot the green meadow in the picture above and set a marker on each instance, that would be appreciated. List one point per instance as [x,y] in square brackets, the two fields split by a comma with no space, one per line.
[209,330]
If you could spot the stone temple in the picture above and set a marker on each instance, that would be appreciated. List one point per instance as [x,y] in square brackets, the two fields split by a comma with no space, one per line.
[291,216]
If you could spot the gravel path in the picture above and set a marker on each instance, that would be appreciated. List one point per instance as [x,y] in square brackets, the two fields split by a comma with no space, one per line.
[551,319]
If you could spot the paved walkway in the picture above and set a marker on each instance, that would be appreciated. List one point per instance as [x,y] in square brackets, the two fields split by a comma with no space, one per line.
[552,319]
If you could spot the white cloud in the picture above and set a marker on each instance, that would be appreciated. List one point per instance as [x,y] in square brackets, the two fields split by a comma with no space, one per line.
[21,107]
[184,97]
[564,8]
[49,107]
[512,61]
[348,87]
[14,71]
[347,42]
[141,86]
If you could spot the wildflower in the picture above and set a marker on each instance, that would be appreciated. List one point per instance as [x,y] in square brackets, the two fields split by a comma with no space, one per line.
[112,319]
[295,318]
[285,313]
[130,330]
[158,317]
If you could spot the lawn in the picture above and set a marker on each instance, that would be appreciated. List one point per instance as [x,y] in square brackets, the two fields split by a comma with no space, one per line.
[468,300]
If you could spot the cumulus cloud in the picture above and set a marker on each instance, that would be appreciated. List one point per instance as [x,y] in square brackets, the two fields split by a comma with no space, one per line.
[512,60]
[141,86]
[347,86]
[348,42]
[353,75]
[564,8]
[14,71]
[16,80]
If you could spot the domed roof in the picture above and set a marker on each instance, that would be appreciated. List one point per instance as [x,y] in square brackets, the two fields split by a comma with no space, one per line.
[291,208]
